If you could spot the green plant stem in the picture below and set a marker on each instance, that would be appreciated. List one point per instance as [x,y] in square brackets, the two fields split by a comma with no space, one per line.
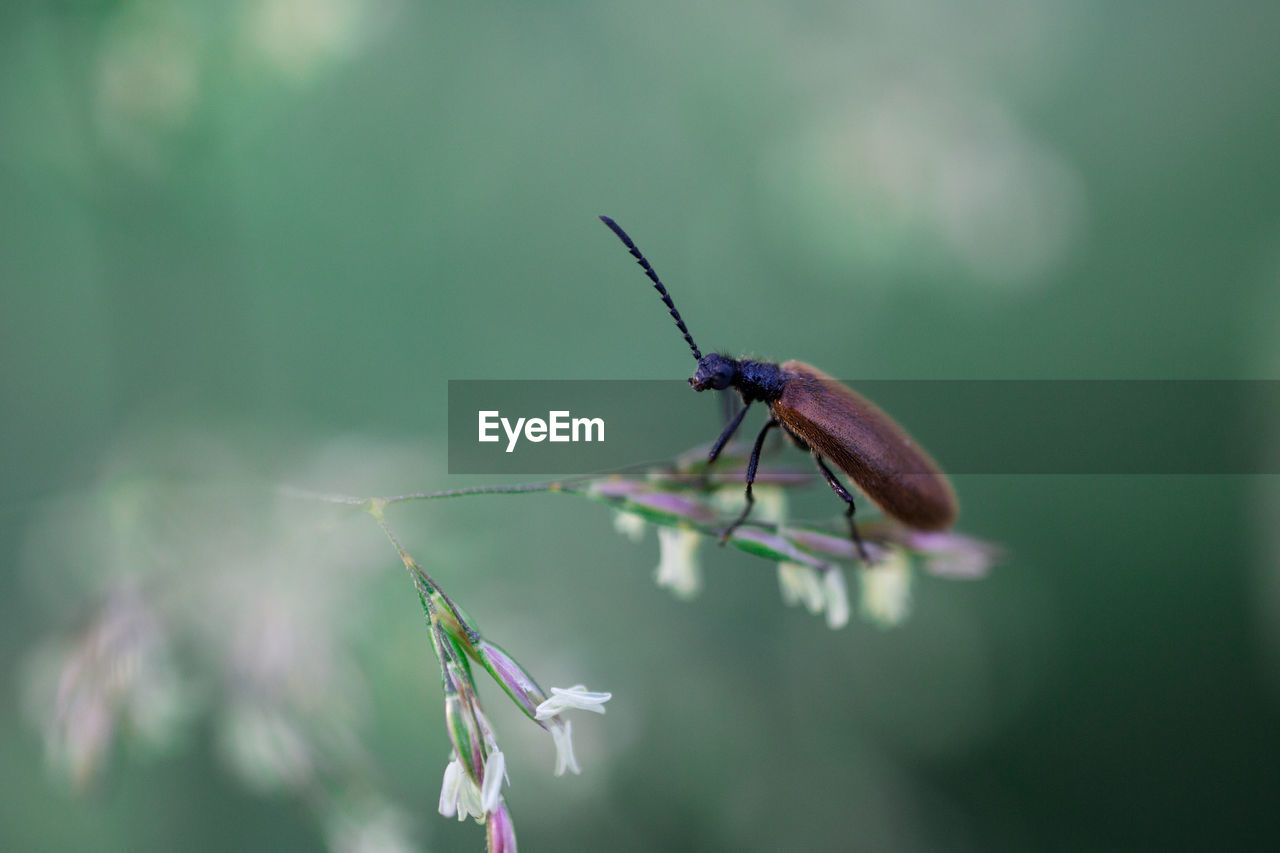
[551,486]
[425,584]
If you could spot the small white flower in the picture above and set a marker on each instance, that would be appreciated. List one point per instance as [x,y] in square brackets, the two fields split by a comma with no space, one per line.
[818,589]
[629,524]
[837,598]
[458,794]
[364,824]
[678,567]
[577,696]
[886,589]
[495,771]
[562,734]
[469,800]
[449,788]
[800,584]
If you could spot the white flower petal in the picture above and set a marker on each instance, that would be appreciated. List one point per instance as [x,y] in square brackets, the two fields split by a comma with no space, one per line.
[449,788]
[495,770]
[886,589]
[577,696]
[629,524]
[469,803]
[458,794]
[800,583]
[678,567]
[789,583]
[562,733]
[837,597]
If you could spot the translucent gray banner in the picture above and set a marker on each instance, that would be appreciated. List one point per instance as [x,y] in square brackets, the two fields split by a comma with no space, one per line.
[556,428]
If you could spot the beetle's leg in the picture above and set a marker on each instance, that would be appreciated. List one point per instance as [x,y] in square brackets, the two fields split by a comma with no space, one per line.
[752,464]
[726,404]
[729,430]
[840,490]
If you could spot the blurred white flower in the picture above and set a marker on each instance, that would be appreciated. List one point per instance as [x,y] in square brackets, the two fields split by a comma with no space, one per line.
[267,747]
[886,589]
[297,36]
[629,524]
[817,589]
[367,827]
[800,585]
[118,676]
[836,596]
[678,568]
[929,173]
[147,75]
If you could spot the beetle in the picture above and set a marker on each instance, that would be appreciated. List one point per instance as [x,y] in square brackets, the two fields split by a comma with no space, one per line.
[826,418]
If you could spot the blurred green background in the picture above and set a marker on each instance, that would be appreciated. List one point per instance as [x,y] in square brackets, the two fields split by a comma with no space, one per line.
[247,243]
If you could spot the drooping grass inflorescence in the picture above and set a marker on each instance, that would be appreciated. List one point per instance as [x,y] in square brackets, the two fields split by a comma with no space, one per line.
[687,505]
[473,778]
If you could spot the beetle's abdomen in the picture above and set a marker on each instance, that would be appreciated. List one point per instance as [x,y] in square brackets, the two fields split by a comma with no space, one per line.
[848,429]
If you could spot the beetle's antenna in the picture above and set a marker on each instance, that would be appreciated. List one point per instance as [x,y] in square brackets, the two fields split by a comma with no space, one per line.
[653,276]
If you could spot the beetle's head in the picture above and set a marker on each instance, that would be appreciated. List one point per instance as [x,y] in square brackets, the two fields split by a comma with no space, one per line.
[715,371]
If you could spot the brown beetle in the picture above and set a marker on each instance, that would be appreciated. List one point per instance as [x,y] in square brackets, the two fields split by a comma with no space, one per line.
[829,420]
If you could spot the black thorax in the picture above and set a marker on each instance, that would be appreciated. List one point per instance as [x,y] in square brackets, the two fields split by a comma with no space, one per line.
[759,380]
